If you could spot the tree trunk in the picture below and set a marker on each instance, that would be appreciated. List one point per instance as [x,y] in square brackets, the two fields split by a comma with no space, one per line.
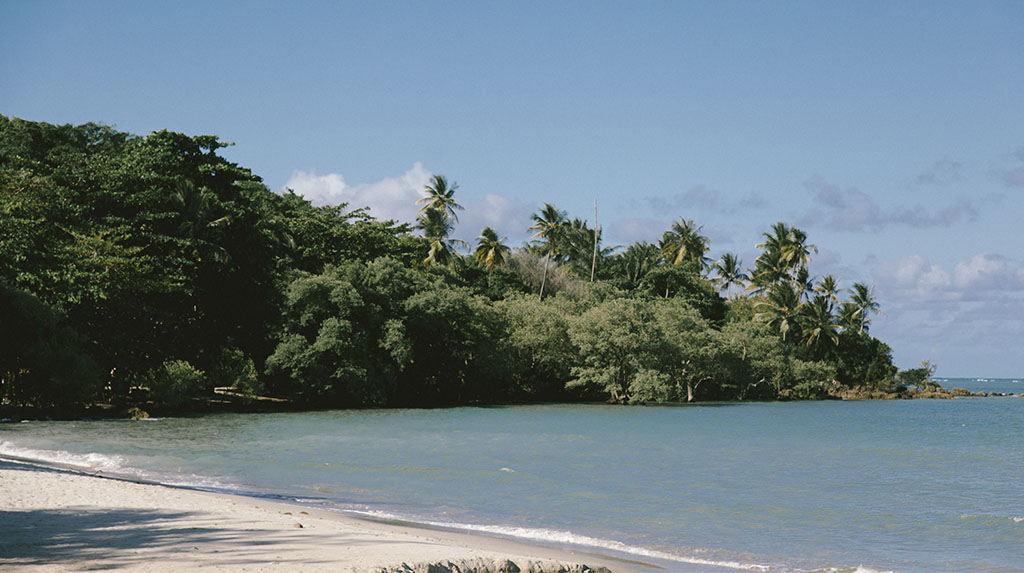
[593,263]
[689,392]
[544,277]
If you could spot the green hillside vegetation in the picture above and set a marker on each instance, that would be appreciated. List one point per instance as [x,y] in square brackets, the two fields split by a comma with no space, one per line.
[150,271]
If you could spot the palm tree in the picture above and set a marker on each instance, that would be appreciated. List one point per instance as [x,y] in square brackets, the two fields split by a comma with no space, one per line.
[849,317]
[785,253]
[551,225]
[817,323]
[863,300]
[797,252]
[491,251]
[730,272]
[440,197]
[768,270]
[780,308]
[804,282]
[829,288]
[436,227]
[633,264]
[683,242]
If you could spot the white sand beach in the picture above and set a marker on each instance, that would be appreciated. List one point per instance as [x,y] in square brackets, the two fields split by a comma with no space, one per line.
[59,520]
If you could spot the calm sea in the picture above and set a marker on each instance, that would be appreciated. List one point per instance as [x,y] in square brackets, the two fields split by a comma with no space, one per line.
[921,485]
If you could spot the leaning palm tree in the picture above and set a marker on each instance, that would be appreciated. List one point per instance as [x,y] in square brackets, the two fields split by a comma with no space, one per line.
[683,242]
[730,272]
[440,197]
[491,251]
[551,225]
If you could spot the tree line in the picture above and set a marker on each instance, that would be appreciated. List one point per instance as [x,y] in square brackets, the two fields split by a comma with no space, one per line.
[149,270]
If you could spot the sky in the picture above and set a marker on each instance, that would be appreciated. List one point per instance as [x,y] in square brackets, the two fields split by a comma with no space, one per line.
[891,132]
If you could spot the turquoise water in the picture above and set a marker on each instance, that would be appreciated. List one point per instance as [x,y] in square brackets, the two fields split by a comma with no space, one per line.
[922,485]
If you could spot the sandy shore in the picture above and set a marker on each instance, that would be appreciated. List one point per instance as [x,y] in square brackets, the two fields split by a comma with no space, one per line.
[57,520]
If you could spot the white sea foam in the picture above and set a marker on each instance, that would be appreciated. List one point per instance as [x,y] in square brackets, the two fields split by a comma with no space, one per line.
[567,537]
[113,466]
[91,461]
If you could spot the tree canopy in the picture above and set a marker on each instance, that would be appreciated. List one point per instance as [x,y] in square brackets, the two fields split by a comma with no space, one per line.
[149,270]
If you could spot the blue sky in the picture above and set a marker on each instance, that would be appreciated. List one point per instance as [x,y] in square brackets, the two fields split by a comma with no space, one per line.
[891,132]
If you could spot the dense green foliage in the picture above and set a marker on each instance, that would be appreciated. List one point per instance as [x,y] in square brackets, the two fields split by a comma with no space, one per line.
[151,270]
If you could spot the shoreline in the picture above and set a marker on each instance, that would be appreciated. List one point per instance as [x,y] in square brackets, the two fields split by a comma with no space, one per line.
[55,519]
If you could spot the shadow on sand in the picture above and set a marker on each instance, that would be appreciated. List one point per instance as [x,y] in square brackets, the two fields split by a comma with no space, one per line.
[97,538]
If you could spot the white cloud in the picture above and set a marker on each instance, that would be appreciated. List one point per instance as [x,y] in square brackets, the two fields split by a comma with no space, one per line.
[395,198]
[390,198]
[961,313]
[982,272]
[914,279]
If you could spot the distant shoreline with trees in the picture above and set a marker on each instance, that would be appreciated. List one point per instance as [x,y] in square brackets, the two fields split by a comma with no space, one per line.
[151,274]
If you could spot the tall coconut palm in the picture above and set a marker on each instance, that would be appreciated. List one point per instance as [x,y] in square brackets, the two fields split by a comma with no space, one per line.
[863,300]
[551,225]
[784,253]
[683,242]
[491,251]
[729,271]
[440,197]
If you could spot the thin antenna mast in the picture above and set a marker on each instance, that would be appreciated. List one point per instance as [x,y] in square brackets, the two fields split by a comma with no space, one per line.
[593,264]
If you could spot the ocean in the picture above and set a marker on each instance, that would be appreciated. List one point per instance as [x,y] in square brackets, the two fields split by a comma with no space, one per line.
[916,485]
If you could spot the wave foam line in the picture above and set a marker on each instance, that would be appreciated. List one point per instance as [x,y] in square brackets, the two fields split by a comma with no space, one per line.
[91,461]
[110,465]
[567,537]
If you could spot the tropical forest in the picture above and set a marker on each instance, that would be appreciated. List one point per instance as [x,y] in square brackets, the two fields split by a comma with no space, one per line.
[150,274]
